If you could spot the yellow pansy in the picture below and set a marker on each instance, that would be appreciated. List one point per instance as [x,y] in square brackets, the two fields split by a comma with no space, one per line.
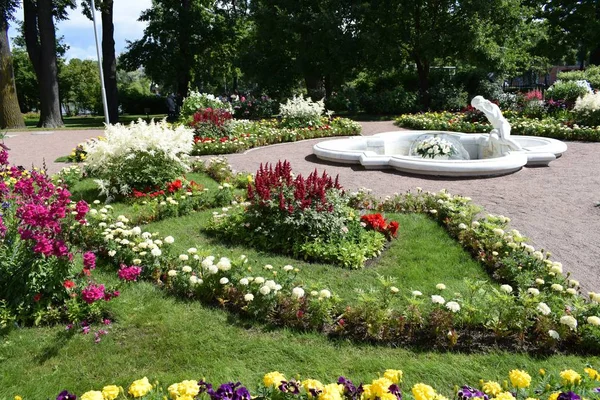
[110,392]
[519,378]
[592,373]
[273,379]
[554,396]
[183,390]
[333,391]
[394,375]
[140,388]
[422,391]
[92,395]
[309,384]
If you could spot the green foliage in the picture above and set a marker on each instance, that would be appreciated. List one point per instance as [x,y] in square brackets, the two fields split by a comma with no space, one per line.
[590,74]
[567,91]
[197,101]
[26,80]
[80,87]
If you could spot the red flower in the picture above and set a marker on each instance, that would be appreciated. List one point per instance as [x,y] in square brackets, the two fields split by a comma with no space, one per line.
[37,297]
[393,228]
[68,284]
[174,186]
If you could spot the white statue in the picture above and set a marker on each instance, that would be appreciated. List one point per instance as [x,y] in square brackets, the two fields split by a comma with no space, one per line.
[499,141]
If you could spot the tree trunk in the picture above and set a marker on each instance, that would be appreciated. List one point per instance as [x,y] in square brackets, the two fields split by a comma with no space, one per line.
[187,58]
[40,37]
[109,61]
[10,113]
[423,73]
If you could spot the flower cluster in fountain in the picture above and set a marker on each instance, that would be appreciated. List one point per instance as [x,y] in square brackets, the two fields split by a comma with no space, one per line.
[434,147]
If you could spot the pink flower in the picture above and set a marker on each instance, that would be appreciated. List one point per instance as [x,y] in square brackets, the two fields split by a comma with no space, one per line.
[93,293]
[129,273]
[89,260]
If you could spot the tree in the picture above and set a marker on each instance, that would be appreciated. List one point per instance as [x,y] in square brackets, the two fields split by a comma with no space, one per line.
[80,86]
[40,37]
[10,114]
[109,59]
[28,91]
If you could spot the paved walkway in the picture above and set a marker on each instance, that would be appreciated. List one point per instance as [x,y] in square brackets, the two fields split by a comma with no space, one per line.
[554,206]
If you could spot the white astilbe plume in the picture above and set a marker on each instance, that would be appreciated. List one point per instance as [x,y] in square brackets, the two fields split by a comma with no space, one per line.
[303,109]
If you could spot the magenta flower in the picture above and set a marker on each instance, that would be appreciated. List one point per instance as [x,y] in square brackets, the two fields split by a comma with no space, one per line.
[129,273]
[89,260]
[92,293]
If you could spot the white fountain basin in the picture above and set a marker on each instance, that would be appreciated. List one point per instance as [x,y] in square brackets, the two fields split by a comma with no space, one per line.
[391,149]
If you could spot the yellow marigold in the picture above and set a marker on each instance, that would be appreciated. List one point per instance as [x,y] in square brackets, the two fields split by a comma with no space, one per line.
[592,373]
[519,378]
[110,392]
[309,384]
[273,379]
[491,388]
[140,388]
[571,377]
[333,391]
[554,396]
[505,396]
[542,371]
[18,398]
[422,391]
[394,375]
[379,387]
[531,398]
[92,395]
[388,396]
[184,389]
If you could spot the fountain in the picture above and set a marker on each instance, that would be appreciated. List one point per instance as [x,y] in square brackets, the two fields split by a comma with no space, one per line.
[451,154]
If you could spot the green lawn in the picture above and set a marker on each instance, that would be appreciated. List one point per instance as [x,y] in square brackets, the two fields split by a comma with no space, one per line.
[90,122]
[168,340]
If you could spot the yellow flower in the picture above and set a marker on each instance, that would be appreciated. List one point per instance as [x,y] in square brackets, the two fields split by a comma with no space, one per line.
[554,396]
[140,388]
[309,384]
[273,379]
[92,395]
[379,387]
[542,371]
[492,388]
[110,392]
[519,378]
[333,391]
[592,373]
[394,375]
[184,390]
[531,398]
[422,391]
[18,398]
[571,377]
[505,396]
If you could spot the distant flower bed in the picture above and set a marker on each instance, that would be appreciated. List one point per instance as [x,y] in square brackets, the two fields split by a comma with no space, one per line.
[242,135]
[460,122]
[568,384]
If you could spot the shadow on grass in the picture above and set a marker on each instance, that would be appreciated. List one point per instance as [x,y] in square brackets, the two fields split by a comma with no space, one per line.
[53,349]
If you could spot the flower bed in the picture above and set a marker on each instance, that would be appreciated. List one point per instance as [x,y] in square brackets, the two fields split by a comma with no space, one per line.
[568,384]
[458,122]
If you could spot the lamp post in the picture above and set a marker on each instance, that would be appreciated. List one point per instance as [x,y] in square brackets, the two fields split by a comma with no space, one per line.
[104,103]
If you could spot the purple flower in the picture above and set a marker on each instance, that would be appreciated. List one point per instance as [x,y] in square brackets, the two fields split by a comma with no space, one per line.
[395,390]
[289,387]
[596,390]
[65,395]
[350,390]
[569,396]
[466,392]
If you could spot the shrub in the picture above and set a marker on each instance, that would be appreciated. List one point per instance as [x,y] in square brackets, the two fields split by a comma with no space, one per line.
[134,102]
[567,91]
[210,123]
[444,96]
[299,112]
[590,74]
[140,156]
[198,101]
[255,107]
[587,109]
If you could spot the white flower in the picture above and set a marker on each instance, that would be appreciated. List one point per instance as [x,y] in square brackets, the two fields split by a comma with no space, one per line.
[96,201]
[186,268]
[158,242]
[324,294]
[112,253]
[146,235]
[539,281]
[538,255]
[224,264]
[544,309]
[462,226]
[593,320]
[571,291]
[207,262]
[249,297]
[556,287]
[440,286]
[594,297]
[553,334]
[498,232]
[244,282]
[573,282]
[172,272]
[183,257]
[271,284]
[136,230]
[265,290]
[192,250]
[193,280]
[416,293]
[288,268]
[394,289]
[506,288]
[556,268]
[297,292]
[569,321]
[223,281]
[156,252]
[453,306]
[268,266]
[533,291]
[436,299]
[475,224]
[259,280]
[136,261]
[212,269]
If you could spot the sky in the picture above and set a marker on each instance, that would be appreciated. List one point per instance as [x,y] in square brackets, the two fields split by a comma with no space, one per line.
[78,31]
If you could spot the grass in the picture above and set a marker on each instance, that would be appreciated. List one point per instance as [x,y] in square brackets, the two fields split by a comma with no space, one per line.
[169,340]
[88,122]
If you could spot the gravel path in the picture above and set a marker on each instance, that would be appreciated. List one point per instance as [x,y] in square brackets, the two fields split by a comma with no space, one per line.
[553,206]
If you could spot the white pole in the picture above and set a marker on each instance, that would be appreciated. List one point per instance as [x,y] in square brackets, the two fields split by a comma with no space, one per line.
[104,103]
